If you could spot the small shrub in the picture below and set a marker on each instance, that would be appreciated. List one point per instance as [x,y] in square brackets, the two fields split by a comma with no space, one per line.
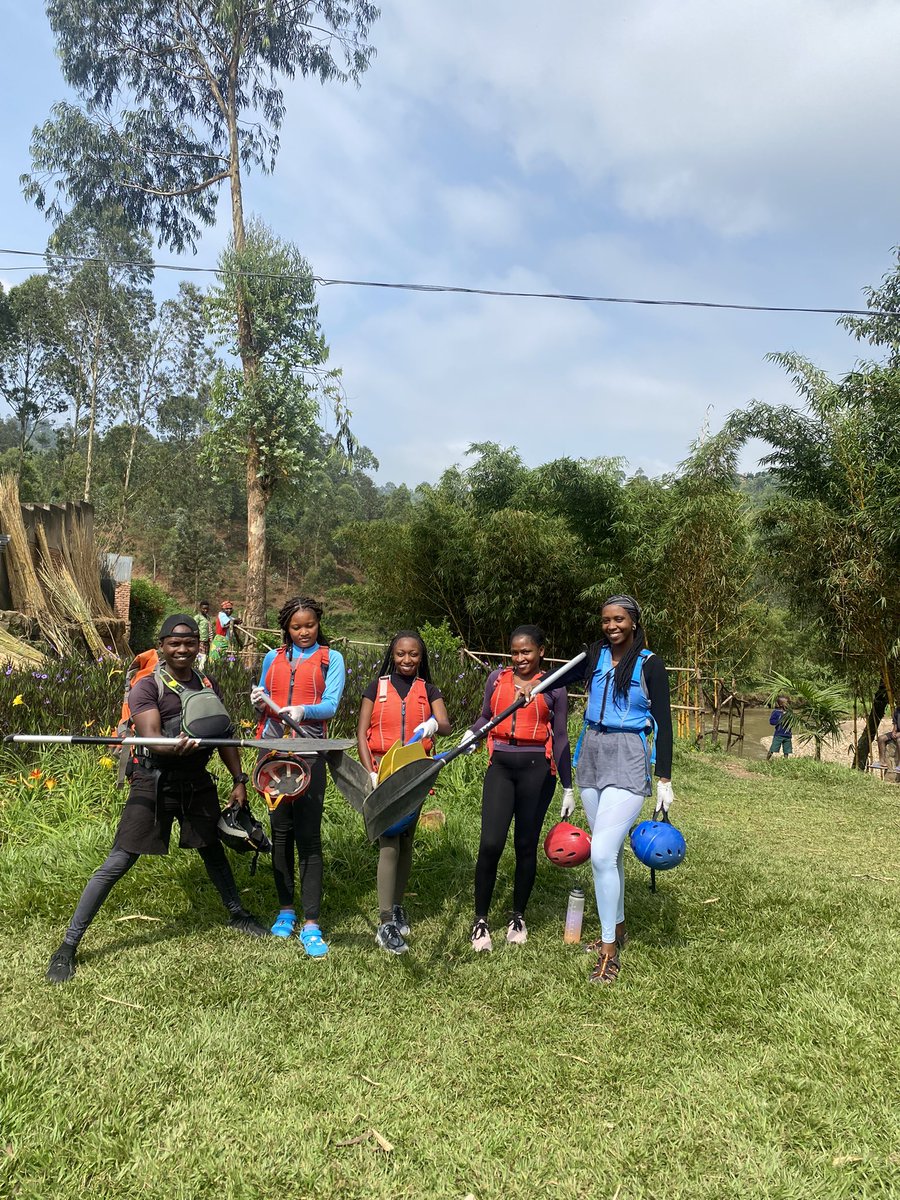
[149,604]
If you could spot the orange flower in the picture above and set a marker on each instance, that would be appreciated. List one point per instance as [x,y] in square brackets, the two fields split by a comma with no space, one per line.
[35,774]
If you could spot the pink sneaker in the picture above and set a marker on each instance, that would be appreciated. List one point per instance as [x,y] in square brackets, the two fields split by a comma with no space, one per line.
[481,936]
[516,932]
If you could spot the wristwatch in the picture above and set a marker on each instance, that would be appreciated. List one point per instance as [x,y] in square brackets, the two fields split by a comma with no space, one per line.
[242,778]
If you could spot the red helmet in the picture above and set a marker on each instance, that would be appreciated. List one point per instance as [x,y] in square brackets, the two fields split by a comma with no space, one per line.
[567,845]
[278,776]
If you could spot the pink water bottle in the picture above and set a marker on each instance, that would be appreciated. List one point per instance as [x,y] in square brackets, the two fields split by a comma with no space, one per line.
[574,916]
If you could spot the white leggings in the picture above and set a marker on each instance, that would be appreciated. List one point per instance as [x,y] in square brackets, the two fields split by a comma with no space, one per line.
[610,813]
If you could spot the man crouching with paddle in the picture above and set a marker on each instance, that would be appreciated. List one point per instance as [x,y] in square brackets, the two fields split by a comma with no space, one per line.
[168,783]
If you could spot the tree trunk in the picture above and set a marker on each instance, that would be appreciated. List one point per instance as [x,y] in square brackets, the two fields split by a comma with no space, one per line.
[255,607]
[126,481]
[870,729]
[92,422]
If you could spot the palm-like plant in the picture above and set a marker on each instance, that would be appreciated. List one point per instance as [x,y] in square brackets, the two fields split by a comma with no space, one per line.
[816,711]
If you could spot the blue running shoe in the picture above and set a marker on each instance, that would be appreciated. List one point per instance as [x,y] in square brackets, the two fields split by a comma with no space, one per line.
[284,924]
[313,942]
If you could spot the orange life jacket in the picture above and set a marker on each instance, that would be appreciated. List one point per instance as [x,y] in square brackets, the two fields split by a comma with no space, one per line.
[527,726]
[297,681]
[394,718]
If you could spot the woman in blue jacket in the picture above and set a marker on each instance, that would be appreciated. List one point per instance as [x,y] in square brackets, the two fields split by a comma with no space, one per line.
[628,699]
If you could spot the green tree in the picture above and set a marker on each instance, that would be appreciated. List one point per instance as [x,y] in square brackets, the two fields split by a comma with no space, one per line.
[104,270]
[685,554]
[173,370]
[35,373]
[268,420]
[830,533]
[177,99]
[192,557]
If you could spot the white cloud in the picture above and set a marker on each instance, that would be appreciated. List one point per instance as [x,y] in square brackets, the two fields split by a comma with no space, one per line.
[742,116]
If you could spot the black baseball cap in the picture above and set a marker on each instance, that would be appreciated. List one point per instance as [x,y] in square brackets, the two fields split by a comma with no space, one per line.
[170,624]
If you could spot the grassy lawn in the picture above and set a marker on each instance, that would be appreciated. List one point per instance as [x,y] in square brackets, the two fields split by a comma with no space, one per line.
[750,1047]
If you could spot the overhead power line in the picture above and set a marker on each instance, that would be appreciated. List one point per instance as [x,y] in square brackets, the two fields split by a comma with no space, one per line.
[455,289]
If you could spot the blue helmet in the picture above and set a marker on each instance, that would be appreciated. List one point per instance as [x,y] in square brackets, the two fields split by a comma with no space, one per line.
[402,825]
[658,845]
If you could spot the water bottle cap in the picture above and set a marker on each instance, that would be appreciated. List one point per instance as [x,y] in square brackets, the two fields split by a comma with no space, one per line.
[576,891]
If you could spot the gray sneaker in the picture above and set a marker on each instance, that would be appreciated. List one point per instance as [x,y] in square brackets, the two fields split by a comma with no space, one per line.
[401,920]
[389,938]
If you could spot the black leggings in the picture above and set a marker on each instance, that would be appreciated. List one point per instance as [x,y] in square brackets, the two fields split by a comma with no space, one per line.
[516,785]
[300,821]
[118,862]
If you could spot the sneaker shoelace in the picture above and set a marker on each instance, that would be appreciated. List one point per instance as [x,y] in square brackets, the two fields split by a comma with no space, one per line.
[517,923]
[479,930]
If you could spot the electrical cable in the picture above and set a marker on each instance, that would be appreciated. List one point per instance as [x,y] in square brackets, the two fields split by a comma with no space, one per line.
[453,289]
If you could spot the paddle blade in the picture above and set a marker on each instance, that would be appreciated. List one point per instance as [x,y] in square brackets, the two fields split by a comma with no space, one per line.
[350,778]
[386,766]
[398,796]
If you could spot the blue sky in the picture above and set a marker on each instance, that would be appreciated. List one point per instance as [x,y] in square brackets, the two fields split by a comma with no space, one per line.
[709,150]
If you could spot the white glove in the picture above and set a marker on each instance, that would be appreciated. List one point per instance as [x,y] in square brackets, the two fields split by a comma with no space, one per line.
[427,729]
[294,711]
[373,775]
[258,697]
[568,804]
[467,737]
[664,797]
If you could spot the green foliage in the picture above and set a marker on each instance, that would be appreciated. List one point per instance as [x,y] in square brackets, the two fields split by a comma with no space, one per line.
[273,410]
[440,639]
[149,604]
[830,534]
[193,556]
[35,372]
[450,554]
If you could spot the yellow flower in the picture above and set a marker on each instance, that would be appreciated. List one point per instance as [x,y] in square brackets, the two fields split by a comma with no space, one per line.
[18,700]
[248,724]
[106,761]
[49,784]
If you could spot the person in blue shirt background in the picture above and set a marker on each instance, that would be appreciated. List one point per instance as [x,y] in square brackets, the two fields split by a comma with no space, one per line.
[782,739]
[305,679]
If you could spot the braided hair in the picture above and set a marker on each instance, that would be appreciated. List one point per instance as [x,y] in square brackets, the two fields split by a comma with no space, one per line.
[387,665]
[299,604]
[625,666]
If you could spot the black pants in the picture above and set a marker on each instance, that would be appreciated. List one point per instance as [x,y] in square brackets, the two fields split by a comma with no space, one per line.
[520,786]
[118,862]
[299,822]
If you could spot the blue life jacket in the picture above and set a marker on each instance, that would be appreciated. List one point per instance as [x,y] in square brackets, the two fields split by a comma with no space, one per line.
[611,712]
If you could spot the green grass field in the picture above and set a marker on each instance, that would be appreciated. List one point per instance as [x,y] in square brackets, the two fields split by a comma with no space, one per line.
[750,1048]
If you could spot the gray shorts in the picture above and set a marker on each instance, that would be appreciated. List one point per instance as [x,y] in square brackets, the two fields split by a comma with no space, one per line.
[614,759]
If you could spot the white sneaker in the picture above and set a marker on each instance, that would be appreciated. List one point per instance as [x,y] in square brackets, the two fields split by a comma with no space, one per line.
[516,933]
[481,936]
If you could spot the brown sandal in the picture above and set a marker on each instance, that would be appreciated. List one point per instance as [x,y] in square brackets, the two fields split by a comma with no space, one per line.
[597,946]
[607,969]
